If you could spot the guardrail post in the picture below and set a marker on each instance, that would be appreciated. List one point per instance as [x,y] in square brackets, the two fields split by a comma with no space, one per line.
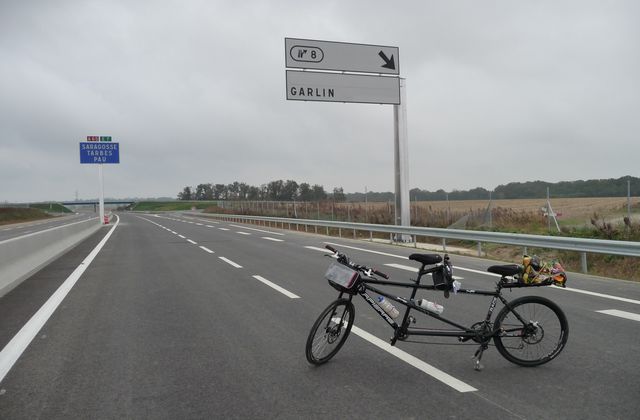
[583,260]
[327,230]
[444,244]
[370,236]
[340,232]
[479,249]
[354,234]
[525,251]
[415,241]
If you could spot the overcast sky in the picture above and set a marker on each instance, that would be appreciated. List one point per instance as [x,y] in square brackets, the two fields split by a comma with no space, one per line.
[194,92]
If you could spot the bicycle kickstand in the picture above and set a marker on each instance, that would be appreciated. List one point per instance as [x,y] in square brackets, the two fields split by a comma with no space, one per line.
[478,355]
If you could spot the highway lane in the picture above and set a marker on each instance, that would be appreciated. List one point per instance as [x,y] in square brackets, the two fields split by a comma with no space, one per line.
[15,230]
[168,325]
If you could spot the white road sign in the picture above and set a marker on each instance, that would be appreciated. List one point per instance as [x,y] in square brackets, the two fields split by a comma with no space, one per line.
[338,87]
[341,56]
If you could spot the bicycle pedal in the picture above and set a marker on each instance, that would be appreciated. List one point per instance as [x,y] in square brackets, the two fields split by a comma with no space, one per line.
[478,366]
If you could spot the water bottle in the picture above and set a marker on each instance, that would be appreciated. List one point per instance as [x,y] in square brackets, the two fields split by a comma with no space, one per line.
[430,306]
[388,307]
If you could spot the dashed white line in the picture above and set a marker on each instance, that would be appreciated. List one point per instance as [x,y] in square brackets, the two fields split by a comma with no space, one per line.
[228,261]
[243,233]
[276,287]
[198,224]
[621,314]
[432,371]
[272,239]
[182,236]
[204,248]
[209,226]
[223,229]
[193,242]
[602,295]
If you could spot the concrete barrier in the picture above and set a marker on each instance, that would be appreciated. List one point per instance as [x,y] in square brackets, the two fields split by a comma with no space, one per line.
[21,257]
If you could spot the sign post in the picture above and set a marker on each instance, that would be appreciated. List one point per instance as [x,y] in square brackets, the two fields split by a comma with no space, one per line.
[100,150]
[341,79]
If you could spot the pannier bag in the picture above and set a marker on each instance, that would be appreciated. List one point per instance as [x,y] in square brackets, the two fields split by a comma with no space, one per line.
[342,278]
[537,271]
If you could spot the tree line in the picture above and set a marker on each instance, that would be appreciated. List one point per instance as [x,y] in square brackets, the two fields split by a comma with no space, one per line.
[290,190]
[278,190]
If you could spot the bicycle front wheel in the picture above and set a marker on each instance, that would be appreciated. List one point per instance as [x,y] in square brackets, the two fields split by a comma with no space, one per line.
[532,330]
[330,331]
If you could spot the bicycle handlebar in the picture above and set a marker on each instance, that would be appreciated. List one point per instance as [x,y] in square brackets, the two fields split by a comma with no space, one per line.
[366,270]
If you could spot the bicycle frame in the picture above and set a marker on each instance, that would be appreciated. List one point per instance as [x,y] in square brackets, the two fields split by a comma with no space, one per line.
[402,331]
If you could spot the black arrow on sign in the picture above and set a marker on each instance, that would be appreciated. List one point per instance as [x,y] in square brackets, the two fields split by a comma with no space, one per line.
[389,63]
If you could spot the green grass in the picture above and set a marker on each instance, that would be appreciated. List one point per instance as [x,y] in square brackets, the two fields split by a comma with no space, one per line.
[51,207]
[16,215]
[171,205]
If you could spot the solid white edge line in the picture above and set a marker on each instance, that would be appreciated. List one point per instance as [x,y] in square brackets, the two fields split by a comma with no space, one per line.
[272,239]
[204,248]
[243,233]
[257,230]
[225,229]
[621,314]
[18,344]
[193,242]
[432,371]
[228,261]
[182,236]
[276,287]
[602,295]
[414,269]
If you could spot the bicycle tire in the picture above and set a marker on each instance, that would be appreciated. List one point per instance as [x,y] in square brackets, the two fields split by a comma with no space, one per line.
[538,341]
[329,332]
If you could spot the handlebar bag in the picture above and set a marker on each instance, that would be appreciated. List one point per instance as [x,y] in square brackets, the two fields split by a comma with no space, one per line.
[341,277]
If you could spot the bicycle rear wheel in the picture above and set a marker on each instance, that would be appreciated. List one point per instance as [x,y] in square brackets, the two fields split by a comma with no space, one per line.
[532,331]
[330,331]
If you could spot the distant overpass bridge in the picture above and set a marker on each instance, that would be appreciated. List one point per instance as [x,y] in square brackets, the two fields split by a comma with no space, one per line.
[95,203]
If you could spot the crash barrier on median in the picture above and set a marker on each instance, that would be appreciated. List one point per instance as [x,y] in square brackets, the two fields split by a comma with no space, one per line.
[21,257]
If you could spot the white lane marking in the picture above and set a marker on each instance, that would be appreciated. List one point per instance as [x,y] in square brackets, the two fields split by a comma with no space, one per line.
[175,233]
[315,248]
[368,250]
[257,230]
[276,287]
[432,371]
[272,239]
[209,226]
[198,224]
[602,295]
[14,349]
[228,261]
[621,314]
[193,242]
[223,229]
[243,233]
[455,267]
[414,269]
[206,249]
[182,236]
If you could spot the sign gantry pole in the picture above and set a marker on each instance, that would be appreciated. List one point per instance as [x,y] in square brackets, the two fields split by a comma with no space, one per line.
[401,159]
[101,181]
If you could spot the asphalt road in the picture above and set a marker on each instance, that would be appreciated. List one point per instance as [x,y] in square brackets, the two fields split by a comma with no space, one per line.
[26,228]
[178,317]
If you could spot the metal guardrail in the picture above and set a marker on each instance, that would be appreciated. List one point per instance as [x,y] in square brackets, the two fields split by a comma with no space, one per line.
[598,246]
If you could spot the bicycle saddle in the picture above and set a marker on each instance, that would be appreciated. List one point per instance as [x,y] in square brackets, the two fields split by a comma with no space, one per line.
[426,259]
[505,270]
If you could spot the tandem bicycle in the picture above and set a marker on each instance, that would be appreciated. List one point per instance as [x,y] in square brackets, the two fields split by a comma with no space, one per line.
[528,331]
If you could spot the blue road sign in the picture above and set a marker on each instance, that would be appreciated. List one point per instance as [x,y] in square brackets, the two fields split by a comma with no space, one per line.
[99,152]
